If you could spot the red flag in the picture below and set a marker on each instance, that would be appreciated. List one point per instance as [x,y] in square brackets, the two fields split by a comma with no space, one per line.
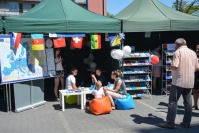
[77,42]
[38,44]
[59,42]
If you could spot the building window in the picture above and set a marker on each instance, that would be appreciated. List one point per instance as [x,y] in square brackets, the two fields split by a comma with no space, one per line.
[20,7]
[13,6]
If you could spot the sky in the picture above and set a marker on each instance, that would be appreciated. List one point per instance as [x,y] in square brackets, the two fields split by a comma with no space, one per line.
[115,6]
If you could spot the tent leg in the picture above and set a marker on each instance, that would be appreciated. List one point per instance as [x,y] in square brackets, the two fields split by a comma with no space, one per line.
[7,99]
[10,108]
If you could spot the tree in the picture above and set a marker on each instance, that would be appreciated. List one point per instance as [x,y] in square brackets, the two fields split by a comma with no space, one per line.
[184,6]
[110,15]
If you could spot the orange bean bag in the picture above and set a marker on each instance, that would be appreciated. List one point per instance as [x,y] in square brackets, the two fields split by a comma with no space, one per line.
[100,106]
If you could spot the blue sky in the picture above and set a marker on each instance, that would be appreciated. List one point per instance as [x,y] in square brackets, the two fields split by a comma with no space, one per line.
[115,6]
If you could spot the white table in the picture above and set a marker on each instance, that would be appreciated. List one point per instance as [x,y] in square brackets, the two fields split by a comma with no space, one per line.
[63,93]
[84,96]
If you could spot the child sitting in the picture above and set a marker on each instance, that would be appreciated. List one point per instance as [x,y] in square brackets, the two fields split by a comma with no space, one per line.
[99,91]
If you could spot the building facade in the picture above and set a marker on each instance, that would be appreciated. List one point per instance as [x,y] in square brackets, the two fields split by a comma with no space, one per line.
[18,7]
[97,6]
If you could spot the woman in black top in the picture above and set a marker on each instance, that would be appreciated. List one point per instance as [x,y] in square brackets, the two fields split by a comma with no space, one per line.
[99,77]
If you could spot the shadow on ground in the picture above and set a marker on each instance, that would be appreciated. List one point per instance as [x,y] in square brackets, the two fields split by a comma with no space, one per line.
[179,111]
[67,106]
[178,129]
[150,119]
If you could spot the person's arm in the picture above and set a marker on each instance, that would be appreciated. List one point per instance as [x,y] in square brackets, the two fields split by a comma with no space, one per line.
[175,61]
[196,64]
[57,61]
[74,86]
[73,82]
[119,83]
[94,79]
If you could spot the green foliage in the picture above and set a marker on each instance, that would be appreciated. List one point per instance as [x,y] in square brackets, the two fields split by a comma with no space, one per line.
[110,15]
[185,6]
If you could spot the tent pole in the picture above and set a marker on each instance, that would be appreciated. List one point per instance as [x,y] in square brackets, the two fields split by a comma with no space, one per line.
[7,103]
[122,45]
[10,98]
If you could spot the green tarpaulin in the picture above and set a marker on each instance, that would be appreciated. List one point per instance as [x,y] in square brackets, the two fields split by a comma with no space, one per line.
[196,13]
[61,16]
[1,24]
[151,15]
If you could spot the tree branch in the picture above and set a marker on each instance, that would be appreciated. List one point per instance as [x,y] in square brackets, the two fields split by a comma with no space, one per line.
[191,5]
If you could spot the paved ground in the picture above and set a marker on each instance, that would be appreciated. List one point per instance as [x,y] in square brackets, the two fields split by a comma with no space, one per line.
[49,119]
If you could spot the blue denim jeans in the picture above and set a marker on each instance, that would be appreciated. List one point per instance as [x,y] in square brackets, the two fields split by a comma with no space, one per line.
[175,93]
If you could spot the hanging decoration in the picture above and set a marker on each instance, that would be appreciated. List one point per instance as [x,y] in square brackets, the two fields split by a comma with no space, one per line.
[59,42]
[15,39]
[154,59]
[114,39]
[95,41]
[77,42]
[37,41]
[119,54]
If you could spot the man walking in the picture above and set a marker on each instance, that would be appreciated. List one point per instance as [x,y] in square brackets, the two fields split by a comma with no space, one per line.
[183,67]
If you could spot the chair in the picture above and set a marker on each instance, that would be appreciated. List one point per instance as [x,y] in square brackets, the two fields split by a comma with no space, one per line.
[125,103]
[71,99]
[100,106]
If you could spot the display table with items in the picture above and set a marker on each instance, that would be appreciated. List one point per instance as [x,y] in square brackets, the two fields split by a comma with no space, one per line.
[137,73]
[167,56]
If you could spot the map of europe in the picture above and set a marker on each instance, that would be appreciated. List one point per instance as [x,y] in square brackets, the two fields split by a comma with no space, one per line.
[21,63]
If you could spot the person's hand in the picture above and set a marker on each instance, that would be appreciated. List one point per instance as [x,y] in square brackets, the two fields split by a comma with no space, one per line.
[105,88]
[92,75]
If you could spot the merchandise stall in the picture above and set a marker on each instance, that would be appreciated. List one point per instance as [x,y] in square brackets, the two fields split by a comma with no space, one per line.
[49,16]
[147,23]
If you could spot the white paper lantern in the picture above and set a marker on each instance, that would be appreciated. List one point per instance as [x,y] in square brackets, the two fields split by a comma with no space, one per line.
[118,54]
[126,50]
[93,65]
[86,60]
[112,53]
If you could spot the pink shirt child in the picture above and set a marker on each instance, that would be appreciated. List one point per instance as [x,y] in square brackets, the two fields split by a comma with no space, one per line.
[98,93]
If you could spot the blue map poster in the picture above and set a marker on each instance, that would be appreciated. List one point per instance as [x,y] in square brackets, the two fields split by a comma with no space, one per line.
[22,63]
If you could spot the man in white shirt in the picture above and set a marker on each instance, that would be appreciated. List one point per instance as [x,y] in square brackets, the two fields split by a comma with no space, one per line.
[183,67]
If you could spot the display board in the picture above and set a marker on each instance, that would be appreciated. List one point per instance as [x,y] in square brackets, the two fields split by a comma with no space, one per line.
[50,57]
[22,63]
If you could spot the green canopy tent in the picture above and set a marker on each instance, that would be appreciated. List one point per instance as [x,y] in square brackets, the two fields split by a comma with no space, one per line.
[196,13]
[1,24]
[61,16]
[151,15]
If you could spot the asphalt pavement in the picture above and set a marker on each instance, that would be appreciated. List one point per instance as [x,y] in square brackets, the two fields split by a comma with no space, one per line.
[49,118]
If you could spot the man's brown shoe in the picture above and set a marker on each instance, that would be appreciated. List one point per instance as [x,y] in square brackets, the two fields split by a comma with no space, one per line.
[167,125]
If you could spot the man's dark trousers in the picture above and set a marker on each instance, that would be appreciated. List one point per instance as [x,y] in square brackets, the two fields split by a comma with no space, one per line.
[175,93]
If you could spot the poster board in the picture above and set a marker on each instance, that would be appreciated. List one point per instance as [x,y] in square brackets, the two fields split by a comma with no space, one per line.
[50,57]
[169,46]
[22,63]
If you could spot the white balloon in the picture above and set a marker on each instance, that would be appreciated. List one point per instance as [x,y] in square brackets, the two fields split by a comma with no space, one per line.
[93,65]
[91,57]
[118,54]
[112,53]
[86,60]
[126,50]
